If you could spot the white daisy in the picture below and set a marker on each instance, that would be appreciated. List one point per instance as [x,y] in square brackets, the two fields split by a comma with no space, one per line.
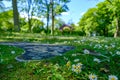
[77,68]
[86,51]
[1,60]
[74,54]
[118,52]
[92,77]
[12,52]
[76,60]
[113,77]
[97,60]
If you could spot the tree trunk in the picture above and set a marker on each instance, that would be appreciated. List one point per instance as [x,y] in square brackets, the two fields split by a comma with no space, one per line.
[29,13]
[116,34]
[29,23]
[15,16]
[52,13]
[48,18]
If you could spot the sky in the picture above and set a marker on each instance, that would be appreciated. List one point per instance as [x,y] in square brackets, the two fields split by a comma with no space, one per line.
[76,9]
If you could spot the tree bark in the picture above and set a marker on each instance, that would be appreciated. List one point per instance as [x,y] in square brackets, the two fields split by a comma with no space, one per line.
[29,15]
[29,23]
[52,14]
[48,16]
[116,34]
[15,16]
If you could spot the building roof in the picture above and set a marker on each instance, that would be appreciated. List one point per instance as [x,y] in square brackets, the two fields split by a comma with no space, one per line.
[65,25]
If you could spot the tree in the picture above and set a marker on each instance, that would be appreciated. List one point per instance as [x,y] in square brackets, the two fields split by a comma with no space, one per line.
[104,17]
[28,7]
[47,4]
[15,15]
[88,23]
[52,16]
[6,21]
[101,19]
[44,10]
[114,6]
[50,9]
[57,7]
[58,23]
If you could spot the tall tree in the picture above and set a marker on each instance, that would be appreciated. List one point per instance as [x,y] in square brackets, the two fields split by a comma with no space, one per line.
[44,10]
[52,16]
[29,13]
[88,23]
[48,12]
[15,15]
[104,17]
[52,8]
[29,7]
[57,7]
[115,7]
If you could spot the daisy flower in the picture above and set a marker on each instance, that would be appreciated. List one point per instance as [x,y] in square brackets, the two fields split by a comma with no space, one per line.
[77,68]
[86,51]
[118,52]
[113,77]
[74,54]
[76,60]
[1,60]
[92,77]
[97,60]
[12,52]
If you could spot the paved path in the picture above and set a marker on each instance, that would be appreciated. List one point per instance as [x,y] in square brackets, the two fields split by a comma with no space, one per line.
[36,51]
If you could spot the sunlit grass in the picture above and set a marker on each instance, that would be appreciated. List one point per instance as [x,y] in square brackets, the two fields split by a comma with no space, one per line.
[99,57]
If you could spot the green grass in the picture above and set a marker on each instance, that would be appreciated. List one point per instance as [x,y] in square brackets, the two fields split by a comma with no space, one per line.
[8,53]
[56,68]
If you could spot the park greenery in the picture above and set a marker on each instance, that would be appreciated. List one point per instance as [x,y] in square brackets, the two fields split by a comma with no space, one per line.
[95,38]
[92,56]
[102,20]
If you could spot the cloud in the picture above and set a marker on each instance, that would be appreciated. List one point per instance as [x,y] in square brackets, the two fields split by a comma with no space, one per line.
[25,15]
[82,13]
[65,13]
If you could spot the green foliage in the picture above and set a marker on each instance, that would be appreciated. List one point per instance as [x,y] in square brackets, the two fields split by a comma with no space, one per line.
[58,23]
[25,28]
[100,19]
[6,21]
[88,22]
[37,25]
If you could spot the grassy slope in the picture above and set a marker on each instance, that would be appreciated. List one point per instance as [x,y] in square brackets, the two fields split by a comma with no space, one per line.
[7,59]
[56,69]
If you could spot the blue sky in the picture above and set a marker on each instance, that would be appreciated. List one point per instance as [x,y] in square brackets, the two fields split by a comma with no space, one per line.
[77,8]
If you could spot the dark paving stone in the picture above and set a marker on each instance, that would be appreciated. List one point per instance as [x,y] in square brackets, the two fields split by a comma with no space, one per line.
[35,51]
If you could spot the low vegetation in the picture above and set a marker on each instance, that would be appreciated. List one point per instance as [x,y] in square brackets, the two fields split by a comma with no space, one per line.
[93,58]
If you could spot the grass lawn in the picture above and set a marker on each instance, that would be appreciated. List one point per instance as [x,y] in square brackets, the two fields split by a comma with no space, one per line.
[93,57]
